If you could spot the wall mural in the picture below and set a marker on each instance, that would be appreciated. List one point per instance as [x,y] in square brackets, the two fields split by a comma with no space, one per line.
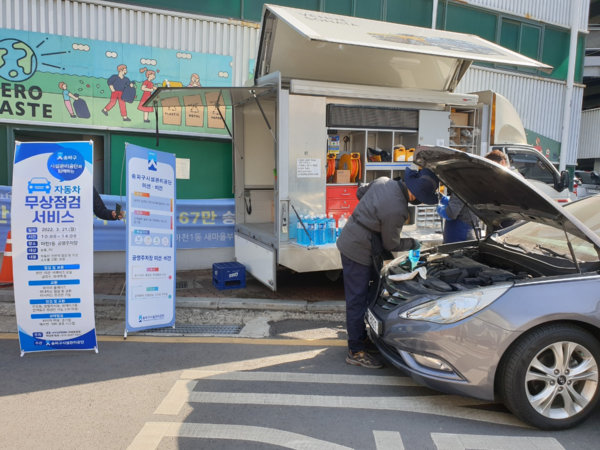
[60,79]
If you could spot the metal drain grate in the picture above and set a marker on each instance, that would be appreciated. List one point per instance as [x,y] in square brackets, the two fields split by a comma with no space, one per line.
[181,285]
[199,329]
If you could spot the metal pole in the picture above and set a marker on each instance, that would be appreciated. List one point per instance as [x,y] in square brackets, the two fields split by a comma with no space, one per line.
[434,14]
[564,142]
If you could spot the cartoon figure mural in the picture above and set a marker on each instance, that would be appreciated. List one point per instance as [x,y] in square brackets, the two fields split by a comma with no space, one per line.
[537,145]
[67,97]
[52,78]
[117,85]
[148,88]
[194,81]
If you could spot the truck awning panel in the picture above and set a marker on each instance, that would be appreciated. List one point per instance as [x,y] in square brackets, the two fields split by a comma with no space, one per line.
[318,46]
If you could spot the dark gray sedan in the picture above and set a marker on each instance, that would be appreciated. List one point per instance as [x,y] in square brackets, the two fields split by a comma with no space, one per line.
[514,316]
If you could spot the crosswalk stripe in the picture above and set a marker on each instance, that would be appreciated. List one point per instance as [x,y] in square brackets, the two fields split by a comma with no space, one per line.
[176,397]
[150,436]
[264,435]
[260,363]
[442,405]
[446,441]
[388,440]
[295,377]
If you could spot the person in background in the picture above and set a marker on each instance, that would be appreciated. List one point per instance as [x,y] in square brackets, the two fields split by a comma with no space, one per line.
[460,224]
[498,156]
[101,211]
[372,230]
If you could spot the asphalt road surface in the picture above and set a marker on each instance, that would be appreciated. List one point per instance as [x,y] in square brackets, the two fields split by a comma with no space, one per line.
[164,393]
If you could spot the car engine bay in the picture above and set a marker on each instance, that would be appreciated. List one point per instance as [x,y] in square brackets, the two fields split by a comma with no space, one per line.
[460,270]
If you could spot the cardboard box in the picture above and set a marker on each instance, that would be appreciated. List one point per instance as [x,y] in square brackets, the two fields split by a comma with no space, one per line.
[460,119]
[341,176]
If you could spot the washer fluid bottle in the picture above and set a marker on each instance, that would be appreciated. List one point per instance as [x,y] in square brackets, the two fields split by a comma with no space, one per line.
[300,234]
[331,231]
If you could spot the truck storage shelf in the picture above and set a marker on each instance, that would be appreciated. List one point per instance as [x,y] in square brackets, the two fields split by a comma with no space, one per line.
[383,166]
[372,130]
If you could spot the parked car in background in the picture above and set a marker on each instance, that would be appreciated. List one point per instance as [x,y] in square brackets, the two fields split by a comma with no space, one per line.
[539,171]
[586,183]
[499,317]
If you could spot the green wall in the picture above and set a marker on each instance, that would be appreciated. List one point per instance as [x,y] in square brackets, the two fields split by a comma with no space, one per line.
[3,157]
[210,164]
[411,12]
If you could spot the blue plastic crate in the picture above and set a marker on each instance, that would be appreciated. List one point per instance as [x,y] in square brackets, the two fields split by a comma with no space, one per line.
[229,275]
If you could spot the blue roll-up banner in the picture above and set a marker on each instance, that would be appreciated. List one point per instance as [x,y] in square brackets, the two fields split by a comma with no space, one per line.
[151,238]
[203,223]
[52,239]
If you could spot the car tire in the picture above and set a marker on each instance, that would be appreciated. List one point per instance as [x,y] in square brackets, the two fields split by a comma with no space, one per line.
[537,389]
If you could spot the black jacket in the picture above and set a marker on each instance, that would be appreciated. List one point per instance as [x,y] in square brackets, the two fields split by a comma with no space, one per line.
[383,208]
[100,209]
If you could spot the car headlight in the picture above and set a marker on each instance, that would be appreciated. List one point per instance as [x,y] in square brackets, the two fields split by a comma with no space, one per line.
[453,308]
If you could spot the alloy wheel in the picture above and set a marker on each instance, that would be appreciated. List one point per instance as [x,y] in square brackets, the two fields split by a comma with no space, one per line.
[561,380]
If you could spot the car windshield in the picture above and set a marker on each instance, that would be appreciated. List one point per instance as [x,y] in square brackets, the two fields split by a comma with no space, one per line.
[538,238]
[587,178]
[531,167]
[39,180]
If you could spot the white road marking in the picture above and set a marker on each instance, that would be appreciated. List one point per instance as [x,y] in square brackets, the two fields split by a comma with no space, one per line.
[271,436]
[441,405]
[259,363]
[445,441]
[388,440]
[295,377]
[176,398]
[150,436]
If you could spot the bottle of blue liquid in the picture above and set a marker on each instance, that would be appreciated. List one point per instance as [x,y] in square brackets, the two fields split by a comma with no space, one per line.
[300,234]
[331,231]
[413,257]
[311,226]
[322,230]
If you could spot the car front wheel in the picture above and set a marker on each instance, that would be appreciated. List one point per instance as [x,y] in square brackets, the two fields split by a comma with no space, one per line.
[549,378]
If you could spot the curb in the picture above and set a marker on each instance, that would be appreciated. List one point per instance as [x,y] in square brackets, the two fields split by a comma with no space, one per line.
[216,303]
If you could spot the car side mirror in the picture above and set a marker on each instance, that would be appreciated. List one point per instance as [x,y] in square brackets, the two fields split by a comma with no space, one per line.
[565,180]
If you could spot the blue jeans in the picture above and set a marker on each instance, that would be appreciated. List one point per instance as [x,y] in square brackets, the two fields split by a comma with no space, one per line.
[356,287]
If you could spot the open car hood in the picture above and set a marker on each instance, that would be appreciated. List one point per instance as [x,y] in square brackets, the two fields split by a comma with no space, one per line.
[495,193]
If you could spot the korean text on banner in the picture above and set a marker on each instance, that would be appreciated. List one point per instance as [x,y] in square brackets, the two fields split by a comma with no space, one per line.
[52,234]
[151,240]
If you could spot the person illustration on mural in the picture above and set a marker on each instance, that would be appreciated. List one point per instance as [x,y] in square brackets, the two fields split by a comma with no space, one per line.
[147,88]
[67,96]
[537,145]
[117,84]
[194,81]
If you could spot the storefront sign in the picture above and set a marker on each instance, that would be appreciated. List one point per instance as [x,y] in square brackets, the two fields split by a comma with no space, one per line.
[83,82]
[150,238]
[52,215]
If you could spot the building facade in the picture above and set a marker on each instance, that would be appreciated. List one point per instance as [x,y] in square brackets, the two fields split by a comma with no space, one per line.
[74,48]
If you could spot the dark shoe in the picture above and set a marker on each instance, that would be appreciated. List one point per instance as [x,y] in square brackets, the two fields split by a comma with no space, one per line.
[370,347]
[73,116]
[147,121]
[105,113]
[363,359]
[126,119]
